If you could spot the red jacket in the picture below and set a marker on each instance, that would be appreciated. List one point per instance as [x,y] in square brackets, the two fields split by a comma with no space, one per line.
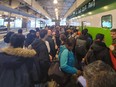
[113,58]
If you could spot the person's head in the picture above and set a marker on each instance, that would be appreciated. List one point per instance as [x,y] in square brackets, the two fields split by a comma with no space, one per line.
[79,33]
[7,37]
[85,31]
[20,31]
[105,79]
[99,74]
[37,29]
[63,38]
[53,33]
[49,33]
[37,34]
[17,40]
[70,43]
[32,32]
[99,37]
[43,33]
[113,34]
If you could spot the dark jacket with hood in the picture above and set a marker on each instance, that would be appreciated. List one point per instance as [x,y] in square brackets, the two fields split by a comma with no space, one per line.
[17,68]
[43,57]
[100,52]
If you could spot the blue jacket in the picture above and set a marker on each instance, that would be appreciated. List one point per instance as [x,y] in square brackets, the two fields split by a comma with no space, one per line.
[67,60]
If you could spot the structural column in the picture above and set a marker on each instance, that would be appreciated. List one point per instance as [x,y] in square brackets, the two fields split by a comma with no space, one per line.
[8,26]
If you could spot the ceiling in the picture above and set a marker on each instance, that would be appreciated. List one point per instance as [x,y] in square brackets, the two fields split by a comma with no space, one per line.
[62,6]
[14,6]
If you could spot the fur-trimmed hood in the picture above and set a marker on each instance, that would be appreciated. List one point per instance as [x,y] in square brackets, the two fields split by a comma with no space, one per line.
[19,52]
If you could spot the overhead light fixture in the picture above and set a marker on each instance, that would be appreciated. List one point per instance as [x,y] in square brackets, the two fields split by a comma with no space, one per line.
[56,9]
[57,16]
[56,12]
[79,17]
[105,7]
[83,15]
[90,13]
[55,2]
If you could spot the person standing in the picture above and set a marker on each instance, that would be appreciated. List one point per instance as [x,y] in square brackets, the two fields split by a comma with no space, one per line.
[113,48]
[16,64]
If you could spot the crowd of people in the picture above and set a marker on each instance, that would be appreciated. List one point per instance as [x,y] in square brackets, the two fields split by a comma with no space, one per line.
[27,59]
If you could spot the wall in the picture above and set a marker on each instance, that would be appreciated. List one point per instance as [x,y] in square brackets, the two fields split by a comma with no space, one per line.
[95,20]
[94,31]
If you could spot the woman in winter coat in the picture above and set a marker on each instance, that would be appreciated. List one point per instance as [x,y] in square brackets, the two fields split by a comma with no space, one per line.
[17,66]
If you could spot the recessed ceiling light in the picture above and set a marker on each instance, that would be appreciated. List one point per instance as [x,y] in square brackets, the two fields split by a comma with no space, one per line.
[55,2]
[56,9]
[90,13]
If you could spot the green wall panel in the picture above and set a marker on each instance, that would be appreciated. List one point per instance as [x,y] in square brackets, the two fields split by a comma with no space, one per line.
[94,30]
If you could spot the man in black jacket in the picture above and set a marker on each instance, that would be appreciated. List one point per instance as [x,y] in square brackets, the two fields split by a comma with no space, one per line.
[43,59]
[51,43]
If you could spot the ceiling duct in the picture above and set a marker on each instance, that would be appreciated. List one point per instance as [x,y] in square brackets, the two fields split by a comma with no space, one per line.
[7,9]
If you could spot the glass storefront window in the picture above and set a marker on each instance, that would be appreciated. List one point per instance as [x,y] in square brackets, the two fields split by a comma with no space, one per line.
[18,23]
[32,23]
[12,24]
[106,21]
[1,21]
[37,23]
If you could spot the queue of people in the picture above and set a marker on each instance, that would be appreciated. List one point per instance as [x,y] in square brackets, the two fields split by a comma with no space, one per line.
[27,59]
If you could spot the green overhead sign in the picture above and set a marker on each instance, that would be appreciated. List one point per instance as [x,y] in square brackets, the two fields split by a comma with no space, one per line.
[91,5]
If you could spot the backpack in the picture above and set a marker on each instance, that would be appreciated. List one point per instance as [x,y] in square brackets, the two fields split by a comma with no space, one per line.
[80,48]
[7,37]
[80,42]
[90,57]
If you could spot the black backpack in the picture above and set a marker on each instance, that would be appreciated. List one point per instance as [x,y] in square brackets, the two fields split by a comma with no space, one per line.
[91,57]
[7,37]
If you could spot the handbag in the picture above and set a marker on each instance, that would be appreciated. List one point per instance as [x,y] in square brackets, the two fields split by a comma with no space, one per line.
[55,69]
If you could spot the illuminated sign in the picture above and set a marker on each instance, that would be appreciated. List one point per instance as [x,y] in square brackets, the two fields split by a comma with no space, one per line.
[87,6]
[82,9]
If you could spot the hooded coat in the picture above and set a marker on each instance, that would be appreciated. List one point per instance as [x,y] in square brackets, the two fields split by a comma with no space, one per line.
[101,52]
[43,57]
[17,68]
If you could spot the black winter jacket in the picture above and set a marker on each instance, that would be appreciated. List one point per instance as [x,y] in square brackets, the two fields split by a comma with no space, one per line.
[17,68]
[101,52]
[43,57]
